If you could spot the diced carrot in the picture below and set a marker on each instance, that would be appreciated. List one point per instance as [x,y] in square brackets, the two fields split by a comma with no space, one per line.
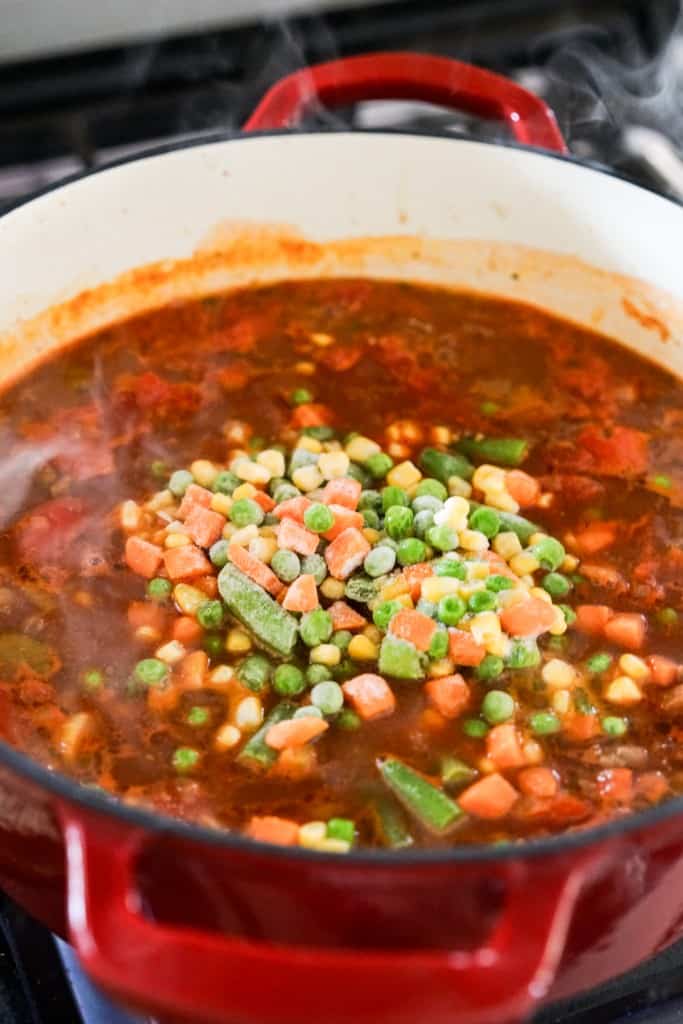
[627,629]
[204,526]
[592,618]
[663,671]
[450,695]
[186,630]
[414,626]
[142,557]
[146,613]
[162,699]
[342,491]
[503,746]
[293,508]
[537,781]
[346,553]
[296,538]
[192,670]
[490,798]
[194,496]
[528,618]
[345,617]
[414,574]
[264,500]
[561,809]
[302,595]
[463,649]
[207,584]
[525,489]
[294,732]
[255,569]
[653,786]
[311,414]
[580,727]
[296,763]
[432,721]
[343,519]
[370,694]
[616,785]
[186,562]
[595,537]
[499,566]
[269,829]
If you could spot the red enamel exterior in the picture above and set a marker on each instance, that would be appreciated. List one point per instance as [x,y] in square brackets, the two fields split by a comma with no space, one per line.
[205,928]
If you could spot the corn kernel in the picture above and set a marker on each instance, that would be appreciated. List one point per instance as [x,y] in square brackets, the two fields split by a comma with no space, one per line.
[474,541]
[221,676]
[440,435]
[237,641]
[524,563]
[331,845]
[249,714]
[478,570]
[171,653]
[204,472]
[362,649]
[236,431]
[405,600]
[228,530]
[489,478]
[162,499]
[307,478]
[433,588]
[131,514]
[333,465]
[359,449]
[502,501]
[558,674]
[263,548]
[332,589]
[541,594]
[309,444]
[484,627]
[228,736]
[321,339]
[458,488]
[561,701]
[244,536]
[251,472]
[221,503]
[499,645]
[547,500]
[634,667]
[372,633]
[148,634]
[398,450]
[455,513]
[325,654]
[268,531]
[188,598]
[395,588]
[371,536]
[486,766]
[405,475]
[623,690]
[570,563]
[305,367]
[533,752]
[507,598]
[440,668]
[243,491]
[507,544]
[273,460]
[312,834]
[559,626]
[176,540]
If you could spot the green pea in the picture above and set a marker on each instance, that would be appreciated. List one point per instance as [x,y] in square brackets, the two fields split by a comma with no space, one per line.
[524,654]
[151,671]
[286,565]
[371,519]
[159,469]
[490,667]
[360,588]
[301,457]
[411,551]
[489,408]
[360,474]
[225,482]
[378,465]
[341,828]
[438,647]
[599,663]
[497,706]
[254,672]
[423,523]
[341,639]
[549,552]
[179,482]
[545,723]
[348,720]
[370,499]
[451,567]
[475,728]
[482,601]
[301,396]
[318,517]
[246,512]
[663,481]
[394,496]
[426,607]
[317,673]
[185,759]
[92,679]
[210,614]
[433,488]
[288,680]
[197,716]
[398,522]
[321,433]
[384,613]
[308,711]
[284,492]
[159,589]
[443,538]
[485,520]
[555,584]
[450,609]
[315,627]
[497,583]
[315,566]
[667,617]
[613,726]
[426,503]
[218,553]
[213,644]
[328,696]
[568,612]
[379,561]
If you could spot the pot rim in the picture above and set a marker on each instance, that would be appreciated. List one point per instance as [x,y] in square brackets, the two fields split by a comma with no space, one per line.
[102,802]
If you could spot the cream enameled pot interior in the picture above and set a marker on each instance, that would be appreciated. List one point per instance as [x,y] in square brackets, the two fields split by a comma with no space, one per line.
[502,220]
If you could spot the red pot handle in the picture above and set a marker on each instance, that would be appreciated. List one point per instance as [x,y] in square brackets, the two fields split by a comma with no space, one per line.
[410,76]
[212,977]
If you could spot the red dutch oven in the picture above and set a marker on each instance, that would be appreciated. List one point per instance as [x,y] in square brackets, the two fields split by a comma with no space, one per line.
[191,924]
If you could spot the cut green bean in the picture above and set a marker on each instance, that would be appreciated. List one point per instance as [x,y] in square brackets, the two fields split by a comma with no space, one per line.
[455,773]
[503,451]
[430,805]
[509,522]
[392,825]
[256,749]
[443,465]
[273,627]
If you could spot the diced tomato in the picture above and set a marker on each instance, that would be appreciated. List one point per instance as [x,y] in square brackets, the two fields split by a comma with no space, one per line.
[370,695]
[297,538]
[293,508]
[663,671]
[596,537]
[528,618]
[345,617]
[414,626]
[186,562]
[343,491]
[490,798]
[525,489]
[463,649]
[269,829]
[619,452]
[204,526]
[48,532]
[294,732]
[592,618]
[450,695]
[142,557]
[627,629]
[302,595]
[346,553]
[616,785]
[194,496]
[344,518]
[311,415]
[538,781]
[504,748]
[254,568]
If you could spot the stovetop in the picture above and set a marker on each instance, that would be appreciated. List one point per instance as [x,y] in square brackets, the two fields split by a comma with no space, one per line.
[611,69]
